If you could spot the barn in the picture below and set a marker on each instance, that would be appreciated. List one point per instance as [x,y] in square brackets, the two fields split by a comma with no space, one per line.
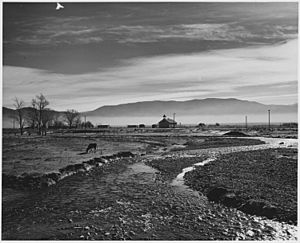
[167,123]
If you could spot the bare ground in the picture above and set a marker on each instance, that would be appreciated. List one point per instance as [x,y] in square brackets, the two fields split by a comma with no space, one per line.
[127,200]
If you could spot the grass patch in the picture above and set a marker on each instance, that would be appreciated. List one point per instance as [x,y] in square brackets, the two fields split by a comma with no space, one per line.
[262,182]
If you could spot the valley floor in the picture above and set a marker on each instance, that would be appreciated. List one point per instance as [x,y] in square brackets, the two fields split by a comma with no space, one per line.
[134,199]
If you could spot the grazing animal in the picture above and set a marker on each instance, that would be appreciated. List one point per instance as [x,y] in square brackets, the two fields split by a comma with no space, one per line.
[91,147]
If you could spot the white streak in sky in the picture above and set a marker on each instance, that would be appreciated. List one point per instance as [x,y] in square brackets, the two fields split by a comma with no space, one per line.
[221,73]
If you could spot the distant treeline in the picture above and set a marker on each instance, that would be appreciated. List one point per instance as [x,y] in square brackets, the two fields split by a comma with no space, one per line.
[39,117]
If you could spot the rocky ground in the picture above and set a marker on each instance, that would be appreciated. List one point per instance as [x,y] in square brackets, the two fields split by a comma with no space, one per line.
[262,182]
[128,202]
[126,199]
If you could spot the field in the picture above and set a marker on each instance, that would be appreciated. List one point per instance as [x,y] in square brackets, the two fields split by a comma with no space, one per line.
[262,182]
[41,155]
[125,189]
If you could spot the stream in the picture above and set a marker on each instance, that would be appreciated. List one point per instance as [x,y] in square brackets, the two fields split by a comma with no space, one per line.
[215,152]
[125,201]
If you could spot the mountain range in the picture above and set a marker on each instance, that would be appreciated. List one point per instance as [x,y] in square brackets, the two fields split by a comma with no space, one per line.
[209,106]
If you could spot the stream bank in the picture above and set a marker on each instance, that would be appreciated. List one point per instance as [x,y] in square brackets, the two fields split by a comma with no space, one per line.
[129,200]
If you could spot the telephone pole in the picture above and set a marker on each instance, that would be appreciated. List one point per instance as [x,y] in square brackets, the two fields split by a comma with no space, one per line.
[174,118]
[85,124]
[269,116]
[246,122]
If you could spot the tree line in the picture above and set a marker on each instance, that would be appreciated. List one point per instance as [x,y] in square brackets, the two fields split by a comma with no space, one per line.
[40,117]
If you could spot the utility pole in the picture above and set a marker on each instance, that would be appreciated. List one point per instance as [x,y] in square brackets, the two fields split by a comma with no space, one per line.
[14,126]
[85,124]
[174,118]
[269,116]
[246,122]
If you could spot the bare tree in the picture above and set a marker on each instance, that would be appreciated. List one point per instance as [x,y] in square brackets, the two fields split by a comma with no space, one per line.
[57,121]
[87,124]
[20,117]
[77,121]
[40,103]
[71,117]
[32,117]
[47,118]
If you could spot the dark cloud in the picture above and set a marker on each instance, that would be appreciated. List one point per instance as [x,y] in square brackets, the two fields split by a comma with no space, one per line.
[84,37]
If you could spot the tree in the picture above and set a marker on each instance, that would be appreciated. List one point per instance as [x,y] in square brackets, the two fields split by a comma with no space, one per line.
[32,117]
[87,124]
[77,121]
[72,117]
[47,118]
[57,121]
[20,117]
[40,103]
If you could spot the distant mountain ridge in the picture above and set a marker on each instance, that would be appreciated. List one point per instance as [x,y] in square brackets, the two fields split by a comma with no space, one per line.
[209,106]
[11,113]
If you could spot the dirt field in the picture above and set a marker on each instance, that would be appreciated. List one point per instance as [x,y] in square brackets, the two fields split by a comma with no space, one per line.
[129,198]
[41,155]
[263,182]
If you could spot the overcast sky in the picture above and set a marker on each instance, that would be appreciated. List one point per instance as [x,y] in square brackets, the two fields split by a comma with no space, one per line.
[92,54]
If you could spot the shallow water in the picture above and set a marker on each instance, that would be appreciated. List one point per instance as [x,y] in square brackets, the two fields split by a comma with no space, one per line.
[214,152]
[125,201]
[178,182]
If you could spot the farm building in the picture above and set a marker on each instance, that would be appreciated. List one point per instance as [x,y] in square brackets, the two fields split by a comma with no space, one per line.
[103,126]
[167,123]
[132,126]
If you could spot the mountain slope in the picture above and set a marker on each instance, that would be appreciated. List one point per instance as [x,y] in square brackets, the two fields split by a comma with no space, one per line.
[210,106]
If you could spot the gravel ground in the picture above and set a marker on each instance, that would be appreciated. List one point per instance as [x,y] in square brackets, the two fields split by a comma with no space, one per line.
[263,182]
[126,201]
[130,200]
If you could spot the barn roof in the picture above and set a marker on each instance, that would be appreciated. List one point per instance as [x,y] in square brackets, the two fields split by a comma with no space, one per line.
[168,120]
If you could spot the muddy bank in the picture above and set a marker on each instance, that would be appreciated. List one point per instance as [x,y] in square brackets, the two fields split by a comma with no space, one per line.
[35,181]
[125,201]
[262,182]
[128,200]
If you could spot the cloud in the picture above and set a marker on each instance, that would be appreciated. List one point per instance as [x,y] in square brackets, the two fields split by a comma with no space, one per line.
[200,31]
[90,29]
[254,73]
[58,30]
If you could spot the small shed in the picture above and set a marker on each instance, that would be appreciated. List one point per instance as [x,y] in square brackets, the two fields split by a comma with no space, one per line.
[132,126]
[167,123]
[103,126]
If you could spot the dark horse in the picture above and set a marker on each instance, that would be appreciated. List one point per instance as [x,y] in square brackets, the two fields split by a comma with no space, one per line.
[91,147]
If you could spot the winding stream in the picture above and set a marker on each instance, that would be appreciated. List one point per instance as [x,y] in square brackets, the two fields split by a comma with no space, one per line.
[178,182]
[215,152]
[127,202]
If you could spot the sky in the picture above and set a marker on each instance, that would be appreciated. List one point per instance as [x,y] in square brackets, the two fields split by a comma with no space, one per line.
[92,54]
